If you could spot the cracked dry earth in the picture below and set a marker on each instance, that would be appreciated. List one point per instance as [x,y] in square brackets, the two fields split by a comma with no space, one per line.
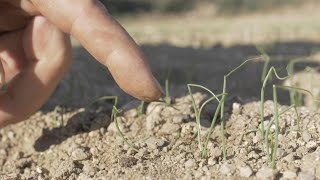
[84,144]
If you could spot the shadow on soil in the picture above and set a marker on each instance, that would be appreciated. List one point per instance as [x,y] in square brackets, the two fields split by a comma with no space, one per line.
[89,80]
[90,119]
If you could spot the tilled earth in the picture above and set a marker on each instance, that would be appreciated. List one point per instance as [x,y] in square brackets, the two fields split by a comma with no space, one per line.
[85,144]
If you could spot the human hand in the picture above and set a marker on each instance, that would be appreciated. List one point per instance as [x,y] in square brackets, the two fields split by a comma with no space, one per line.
[35,52]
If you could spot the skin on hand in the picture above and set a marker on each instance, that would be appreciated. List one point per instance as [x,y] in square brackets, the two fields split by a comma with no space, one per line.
[35,52]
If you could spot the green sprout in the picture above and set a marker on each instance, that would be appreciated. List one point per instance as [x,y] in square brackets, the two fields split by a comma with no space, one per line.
[262,97]
[272,156]
[204,145]
[275,142]
[114,115]
[58,117]
[140,108]
[167,98]
[224,96]
[266,57]
[312,85]
[295,96]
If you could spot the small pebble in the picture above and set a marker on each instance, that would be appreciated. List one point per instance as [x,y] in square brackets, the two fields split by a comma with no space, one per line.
[154,143]
[80,154]
[265,173]
[227,169]
[245,171]
[236,108]
[191,163]
[306,136]
[212,161]
[39,170]
[289,175]
[311,144]
[11,135]
[216,152]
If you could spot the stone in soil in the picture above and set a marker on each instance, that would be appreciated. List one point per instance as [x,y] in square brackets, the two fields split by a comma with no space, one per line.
[80,154]
[227,169]
[265,173]
[154,143]
[289,174]
[245,171]
[191,163]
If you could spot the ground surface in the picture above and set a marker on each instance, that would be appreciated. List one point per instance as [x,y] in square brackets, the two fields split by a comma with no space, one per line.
[81,142]
[86,145]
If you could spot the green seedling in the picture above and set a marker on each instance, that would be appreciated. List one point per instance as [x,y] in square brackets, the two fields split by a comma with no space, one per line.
[58,117]
[115,112]
[140,108]
[266,58]
[167,98]
[295,96]
[269,125]
[276,117]
[224,96]
[275,141]
[114,115]
[262,97]
[312,84]
[220,107]
[203,146]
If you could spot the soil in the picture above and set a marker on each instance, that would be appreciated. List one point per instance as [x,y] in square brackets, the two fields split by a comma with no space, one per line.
[84,144]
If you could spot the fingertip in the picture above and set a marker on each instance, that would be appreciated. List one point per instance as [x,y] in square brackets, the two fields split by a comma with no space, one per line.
[132,73]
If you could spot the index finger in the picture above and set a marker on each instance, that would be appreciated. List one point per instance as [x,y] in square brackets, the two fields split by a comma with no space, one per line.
[104,38]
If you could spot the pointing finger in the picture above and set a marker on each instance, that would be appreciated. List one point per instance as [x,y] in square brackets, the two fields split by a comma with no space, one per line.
[106,40]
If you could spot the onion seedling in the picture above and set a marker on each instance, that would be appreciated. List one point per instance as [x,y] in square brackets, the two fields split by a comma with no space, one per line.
[204,145]
[114,115]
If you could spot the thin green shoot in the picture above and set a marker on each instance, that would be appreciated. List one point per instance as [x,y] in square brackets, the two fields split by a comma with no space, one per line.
[271,70]
[58,118]
[266,58]
[295,96]
[312,85]
[270,123]
[224,97]
[247,132]
[276,117]
[115,113]
[314,101]
[213,121]
[105,98]
[269,127]
[167,99]
[198,111]
[140,108]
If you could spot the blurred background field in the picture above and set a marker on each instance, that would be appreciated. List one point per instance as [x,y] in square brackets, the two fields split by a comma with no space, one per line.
[199,42]
[176,6]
